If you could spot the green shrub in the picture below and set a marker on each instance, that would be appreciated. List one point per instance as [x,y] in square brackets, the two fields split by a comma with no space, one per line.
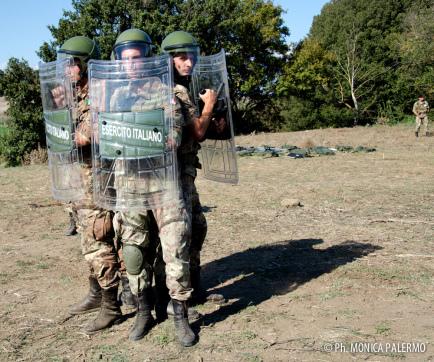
[19,84]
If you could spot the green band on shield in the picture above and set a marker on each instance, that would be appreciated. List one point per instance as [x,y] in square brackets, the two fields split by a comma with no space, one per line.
[131,134]
[58,130]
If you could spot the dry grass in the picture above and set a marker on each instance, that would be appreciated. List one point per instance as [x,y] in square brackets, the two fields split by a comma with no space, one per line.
[353,264]
[37,156]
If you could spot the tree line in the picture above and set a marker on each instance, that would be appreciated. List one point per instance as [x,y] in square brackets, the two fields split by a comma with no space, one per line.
[362,60]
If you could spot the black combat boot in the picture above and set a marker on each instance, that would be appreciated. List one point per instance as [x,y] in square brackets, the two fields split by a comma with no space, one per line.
[72,229]
[109,313]
[144,320]
[183,330]
[416,134]
[91,302]
[128,299]
[193,314]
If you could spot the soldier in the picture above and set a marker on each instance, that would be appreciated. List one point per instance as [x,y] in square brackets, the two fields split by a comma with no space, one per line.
[184,50]
[132,227]
[420,110]
[94,223]
[72,228]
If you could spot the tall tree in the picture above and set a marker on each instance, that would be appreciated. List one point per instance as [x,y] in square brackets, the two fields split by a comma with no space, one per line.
[251,32]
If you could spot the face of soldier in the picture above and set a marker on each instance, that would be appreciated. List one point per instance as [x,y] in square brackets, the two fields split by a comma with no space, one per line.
[184,63]
[130,54]
[75,71]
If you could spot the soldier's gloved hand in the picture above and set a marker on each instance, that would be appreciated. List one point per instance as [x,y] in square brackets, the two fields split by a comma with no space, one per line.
[58,94]
[209,97]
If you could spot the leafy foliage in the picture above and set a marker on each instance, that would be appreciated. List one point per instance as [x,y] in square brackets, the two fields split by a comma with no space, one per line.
[362,60]
[25,130]
[251,32]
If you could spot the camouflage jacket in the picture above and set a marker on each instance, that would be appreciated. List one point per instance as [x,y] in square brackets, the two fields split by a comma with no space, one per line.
[187,152]
[83,122]
[420,109]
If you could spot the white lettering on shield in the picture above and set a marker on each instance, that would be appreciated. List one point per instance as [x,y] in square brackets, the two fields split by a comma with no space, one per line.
[57,132]
[131,133]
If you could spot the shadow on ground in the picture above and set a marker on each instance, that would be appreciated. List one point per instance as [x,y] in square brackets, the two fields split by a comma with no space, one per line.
[275,269]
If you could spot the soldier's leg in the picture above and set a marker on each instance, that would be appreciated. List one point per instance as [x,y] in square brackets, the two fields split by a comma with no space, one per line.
[425,124]
[161,292]
[72,227]
[418,122]
[132,229]
[96,229]
[174,225]
[198,234]
[126,297]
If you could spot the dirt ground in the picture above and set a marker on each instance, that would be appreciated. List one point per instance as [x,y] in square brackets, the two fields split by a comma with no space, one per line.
[348,270]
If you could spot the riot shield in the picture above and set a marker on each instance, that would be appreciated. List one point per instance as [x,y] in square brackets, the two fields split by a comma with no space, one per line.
[59,106]
[218,155]
[134,163]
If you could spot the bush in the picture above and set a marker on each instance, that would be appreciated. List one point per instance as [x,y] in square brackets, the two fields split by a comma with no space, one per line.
[38,156]
[20,86]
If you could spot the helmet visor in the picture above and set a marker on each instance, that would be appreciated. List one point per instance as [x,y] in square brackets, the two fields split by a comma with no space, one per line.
[142,50]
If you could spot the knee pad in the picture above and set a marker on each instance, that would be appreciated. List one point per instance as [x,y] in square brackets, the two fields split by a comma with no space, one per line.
[133,259]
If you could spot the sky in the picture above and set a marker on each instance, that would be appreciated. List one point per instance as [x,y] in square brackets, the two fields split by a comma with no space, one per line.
[23,24]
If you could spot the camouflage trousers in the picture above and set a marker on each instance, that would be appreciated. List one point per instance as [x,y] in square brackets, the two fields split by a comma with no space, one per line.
[198,221]
[422,121]
[174,225]
[95,227]
[96,232]
[198,229]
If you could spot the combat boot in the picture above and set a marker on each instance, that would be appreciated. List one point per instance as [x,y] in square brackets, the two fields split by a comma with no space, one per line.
[128,299]
[91,302]
[144,320]
[193,314]
[72,229]
[109,313]
[416,134]
[182,328]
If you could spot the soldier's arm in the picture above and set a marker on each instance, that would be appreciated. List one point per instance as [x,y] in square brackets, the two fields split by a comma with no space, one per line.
[201,123]
[83,134]
[415,109]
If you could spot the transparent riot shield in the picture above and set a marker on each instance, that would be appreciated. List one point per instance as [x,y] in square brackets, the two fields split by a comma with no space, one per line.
[59,106]
[134,162]
[218,155]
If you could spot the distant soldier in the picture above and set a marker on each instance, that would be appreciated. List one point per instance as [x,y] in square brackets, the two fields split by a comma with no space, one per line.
[420,110]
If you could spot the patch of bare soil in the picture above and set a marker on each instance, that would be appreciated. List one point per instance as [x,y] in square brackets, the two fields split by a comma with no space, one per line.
[350,265]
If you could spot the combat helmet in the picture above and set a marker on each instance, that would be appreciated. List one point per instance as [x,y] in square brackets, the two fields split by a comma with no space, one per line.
[81,48]
[180,42]
[133,38]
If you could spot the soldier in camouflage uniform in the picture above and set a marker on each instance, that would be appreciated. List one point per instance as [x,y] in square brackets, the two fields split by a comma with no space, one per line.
[420,110]
[94,224]
[184,50]
[172,220]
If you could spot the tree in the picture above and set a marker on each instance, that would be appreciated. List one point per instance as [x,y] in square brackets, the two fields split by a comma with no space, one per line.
[251,32]
[20,86]
[416,47]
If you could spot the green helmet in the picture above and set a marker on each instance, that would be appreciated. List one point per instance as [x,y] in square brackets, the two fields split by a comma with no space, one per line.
[180,42]
[81,48]
[133,38]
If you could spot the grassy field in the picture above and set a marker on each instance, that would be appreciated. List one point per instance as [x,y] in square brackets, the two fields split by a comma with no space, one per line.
[352,265]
